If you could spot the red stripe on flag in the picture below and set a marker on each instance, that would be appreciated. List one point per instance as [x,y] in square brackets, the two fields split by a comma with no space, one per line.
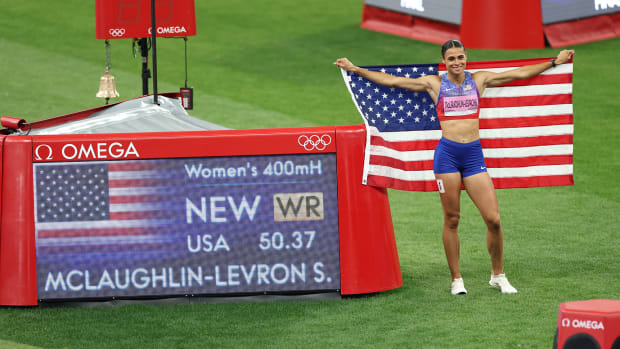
[528,121]
[524,101]
[130,199]
[128,166]
[504,183]
[124,247]
[488,143]
[68,233]
[133,183]
[405,145]
[388,182]
[543,80]
[140,215]
[529,161]
[423,165]
[529,182]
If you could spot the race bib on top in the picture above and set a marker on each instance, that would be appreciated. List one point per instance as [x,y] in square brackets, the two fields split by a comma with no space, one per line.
[460,105]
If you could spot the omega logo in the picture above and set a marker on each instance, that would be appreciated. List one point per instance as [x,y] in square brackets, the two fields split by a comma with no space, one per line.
[589,324]
[41,150]
[169,30]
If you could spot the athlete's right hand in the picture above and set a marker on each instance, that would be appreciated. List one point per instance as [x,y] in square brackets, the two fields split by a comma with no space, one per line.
[564,56]
[344,64]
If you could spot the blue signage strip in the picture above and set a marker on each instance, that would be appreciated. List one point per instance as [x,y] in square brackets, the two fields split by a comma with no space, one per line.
[440,10]
[567,10]
[187,226]
[450,10]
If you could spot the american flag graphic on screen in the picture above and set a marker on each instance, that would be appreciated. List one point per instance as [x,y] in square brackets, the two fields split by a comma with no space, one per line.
[526,127]
[112,209]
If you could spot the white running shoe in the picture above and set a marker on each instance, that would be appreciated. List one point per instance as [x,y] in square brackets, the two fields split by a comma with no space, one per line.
[500,281]
[458,287]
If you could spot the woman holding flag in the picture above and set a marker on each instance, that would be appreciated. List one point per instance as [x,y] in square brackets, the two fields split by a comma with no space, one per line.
[458,159]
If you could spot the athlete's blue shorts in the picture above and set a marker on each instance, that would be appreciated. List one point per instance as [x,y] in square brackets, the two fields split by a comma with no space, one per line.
[466,158]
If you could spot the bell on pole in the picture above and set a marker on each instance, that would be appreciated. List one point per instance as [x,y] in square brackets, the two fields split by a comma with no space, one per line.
[107,85]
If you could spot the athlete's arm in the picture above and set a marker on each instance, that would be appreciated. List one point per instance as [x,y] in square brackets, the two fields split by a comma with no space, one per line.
[421,84]
[489,79]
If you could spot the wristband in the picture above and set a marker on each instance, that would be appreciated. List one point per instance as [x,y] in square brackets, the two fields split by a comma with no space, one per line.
[553,63]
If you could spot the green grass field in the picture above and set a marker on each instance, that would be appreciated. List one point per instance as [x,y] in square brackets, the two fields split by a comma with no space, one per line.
[262,64]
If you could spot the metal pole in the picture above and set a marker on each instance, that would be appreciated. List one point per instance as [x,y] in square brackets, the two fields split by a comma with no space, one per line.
[146,73]
[154,48]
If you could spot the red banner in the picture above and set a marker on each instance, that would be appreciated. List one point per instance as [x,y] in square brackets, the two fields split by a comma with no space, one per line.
[122,19]
[130,146]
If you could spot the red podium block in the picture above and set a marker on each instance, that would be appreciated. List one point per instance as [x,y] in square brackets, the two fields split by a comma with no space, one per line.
[589,324]
[493,24]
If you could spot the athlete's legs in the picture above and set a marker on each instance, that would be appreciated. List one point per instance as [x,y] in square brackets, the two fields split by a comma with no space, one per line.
[450,192]
[481,191]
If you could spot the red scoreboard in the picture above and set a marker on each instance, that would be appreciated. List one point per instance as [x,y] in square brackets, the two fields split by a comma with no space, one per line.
[121,19]
[183,214]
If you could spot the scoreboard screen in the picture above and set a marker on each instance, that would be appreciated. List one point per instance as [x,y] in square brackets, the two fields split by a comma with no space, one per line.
[186,226]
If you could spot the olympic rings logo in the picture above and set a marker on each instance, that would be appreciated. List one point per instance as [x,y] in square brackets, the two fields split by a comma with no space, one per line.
[314,142]
[117,32]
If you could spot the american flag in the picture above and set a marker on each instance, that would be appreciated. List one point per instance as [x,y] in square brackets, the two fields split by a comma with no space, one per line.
[526,127]
[106,210]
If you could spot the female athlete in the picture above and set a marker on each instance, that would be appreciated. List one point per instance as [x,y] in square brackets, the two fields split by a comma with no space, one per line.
[458,158]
